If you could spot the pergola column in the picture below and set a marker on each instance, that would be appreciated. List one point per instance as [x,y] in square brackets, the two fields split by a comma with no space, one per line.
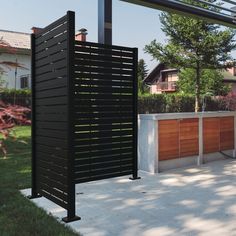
[105,21]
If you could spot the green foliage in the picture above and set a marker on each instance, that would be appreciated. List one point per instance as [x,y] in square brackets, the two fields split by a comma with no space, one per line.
[195,44]
[153,103]
[142,74]
[169,103]
[11,92]
[20,97]
[211,82]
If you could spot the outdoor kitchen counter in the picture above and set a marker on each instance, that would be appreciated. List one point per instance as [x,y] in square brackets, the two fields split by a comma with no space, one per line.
[172,140]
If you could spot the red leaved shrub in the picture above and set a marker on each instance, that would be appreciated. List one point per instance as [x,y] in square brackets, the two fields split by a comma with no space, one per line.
[10,116]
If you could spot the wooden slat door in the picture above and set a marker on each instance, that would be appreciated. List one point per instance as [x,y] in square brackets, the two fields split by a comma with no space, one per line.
[168,133]
[189,144]
[211,135]
[226,133]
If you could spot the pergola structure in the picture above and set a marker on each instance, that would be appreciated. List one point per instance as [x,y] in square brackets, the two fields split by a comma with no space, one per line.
[223,14]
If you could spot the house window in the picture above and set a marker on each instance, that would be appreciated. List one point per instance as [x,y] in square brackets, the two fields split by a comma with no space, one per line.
[24,82]
[169,76]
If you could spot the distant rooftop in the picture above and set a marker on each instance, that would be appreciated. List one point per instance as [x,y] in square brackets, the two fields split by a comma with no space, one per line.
[228,76]
[16,39]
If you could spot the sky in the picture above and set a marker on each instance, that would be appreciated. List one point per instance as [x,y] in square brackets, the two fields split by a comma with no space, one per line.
[133,26]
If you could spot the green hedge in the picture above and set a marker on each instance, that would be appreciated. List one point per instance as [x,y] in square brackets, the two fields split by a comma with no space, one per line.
[11,92]
[22,97]
[158,103]
[168,103]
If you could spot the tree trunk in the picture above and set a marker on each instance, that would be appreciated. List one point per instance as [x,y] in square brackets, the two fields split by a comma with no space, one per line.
[197,89]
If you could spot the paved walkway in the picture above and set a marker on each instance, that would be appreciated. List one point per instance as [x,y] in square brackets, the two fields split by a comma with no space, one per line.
[189,201]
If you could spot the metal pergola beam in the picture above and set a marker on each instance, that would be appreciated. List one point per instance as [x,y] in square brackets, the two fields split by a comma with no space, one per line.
[226,18]
[176,6]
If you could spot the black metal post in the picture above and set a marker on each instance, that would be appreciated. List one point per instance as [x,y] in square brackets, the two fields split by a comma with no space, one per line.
[135,116]
[71,211]
[105,21]
[34,192]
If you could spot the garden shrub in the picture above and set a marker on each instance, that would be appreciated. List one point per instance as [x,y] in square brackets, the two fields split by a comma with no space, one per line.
[22,97]
[10,116]
[169,103]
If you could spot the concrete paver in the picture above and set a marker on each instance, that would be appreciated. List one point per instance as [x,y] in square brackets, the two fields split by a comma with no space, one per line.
[188,201]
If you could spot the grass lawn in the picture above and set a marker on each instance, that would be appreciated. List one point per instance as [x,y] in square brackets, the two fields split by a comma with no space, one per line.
[18,216]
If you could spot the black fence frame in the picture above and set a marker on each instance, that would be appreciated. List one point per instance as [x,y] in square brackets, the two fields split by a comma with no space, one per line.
[47,69]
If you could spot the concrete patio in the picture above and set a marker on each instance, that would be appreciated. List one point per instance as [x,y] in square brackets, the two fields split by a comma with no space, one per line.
[188,201]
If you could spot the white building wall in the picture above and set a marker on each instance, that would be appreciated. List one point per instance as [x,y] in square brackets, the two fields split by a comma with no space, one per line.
[9,76]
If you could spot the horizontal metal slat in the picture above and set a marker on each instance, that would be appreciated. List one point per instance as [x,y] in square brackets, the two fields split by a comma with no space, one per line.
[51,101]
[104,70]
[53,198]
[102,165]
[60,28]
[51,84]
[103,83]
[51,26]
[59,74]
[92,147]
[127,97]
[55,49]
[51,125]
[52,182]
[103,127]
[109,77]
[103,172]
[113,175]
[101,102]
[49,153]
[79,160]
[51,117]
[107,140]
[54,142]
[103,114]
[50,67]
[54,92]
[51,59]
[101,153]
[105,46]
[104,121]
[53,191]
[97,89]
[120,65]
[51,166]
[52,175]
[103,51]
[59,109]
[104,134]
[50,133]
[103,58]
[50,43]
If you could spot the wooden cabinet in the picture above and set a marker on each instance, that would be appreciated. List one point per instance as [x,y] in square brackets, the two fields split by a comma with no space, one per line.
[177,138]
[180,137]
[218,134]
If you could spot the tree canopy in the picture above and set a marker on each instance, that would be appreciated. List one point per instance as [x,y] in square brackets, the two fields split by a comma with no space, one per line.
[142,74]
[194,44]
[211,82]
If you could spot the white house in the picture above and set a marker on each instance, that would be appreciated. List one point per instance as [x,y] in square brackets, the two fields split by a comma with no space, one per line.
[18,77]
